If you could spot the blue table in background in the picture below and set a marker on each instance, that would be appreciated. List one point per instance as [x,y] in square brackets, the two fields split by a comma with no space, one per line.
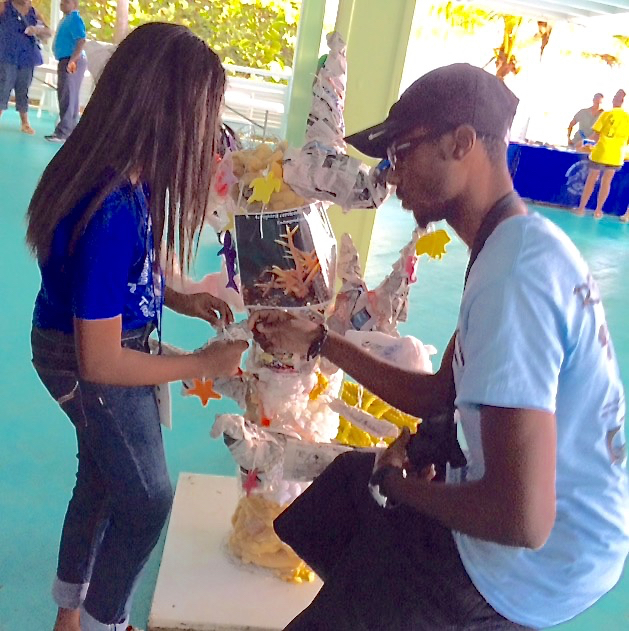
[556,177]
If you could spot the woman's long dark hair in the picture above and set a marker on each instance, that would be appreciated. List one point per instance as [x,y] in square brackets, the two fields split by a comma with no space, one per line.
[154,115]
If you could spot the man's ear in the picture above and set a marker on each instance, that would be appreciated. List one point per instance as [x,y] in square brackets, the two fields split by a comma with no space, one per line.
[464,139]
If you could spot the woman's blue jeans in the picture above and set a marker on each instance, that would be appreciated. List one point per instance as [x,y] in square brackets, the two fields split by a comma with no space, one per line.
[17,79]
[123,493]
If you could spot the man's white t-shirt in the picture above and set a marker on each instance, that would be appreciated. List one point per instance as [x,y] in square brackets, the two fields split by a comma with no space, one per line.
[532,334]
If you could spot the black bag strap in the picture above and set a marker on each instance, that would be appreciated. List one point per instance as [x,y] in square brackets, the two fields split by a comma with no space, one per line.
[507,206]
[442,445]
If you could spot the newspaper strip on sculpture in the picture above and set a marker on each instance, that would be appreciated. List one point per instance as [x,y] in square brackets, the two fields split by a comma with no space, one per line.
[321,169]
[325,121]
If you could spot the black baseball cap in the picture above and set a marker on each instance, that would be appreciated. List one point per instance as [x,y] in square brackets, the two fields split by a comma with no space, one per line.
[443,99]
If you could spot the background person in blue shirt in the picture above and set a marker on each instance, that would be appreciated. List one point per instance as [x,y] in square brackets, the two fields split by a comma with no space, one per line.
[68,50]
[132,181]
[20,27]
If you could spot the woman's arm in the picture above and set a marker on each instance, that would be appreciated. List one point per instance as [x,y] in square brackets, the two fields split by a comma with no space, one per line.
[102,359]
[200,305]
[42,30]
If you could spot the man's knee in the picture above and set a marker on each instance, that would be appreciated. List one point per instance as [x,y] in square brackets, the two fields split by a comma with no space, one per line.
[350,459]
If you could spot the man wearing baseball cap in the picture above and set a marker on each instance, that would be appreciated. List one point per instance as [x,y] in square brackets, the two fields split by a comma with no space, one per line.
[532,527]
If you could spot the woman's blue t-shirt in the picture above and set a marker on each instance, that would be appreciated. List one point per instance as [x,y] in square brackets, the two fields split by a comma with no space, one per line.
[110,272]
[16,47]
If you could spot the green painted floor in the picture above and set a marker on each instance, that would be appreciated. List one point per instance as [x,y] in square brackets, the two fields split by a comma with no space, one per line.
[37,448]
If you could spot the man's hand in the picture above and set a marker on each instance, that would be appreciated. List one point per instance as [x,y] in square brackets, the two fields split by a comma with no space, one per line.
[395,456]
[280,332]
[71,67]
[395,461]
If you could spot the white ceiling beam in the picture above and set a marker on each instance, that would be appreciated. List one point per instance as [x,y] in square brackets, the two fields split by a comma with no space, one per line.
[560,9]
[534,9]
[623,5]
[542,5]
[594,6]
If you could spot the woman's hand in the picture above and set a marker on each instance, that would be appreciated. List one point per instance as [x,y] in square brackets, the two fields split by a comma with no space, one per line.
[221,358]
[280,332]
[201,305]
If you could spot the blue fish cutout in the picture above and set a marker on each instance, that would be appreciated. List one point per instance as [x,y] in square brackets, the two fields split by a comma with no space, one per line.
[229,252]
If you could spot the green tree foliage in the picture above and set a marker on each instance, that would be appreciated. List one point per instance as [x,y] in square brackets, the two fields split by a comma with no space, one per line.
[464,17]
[253,33]
[43,7]
[469,18]
[617,53]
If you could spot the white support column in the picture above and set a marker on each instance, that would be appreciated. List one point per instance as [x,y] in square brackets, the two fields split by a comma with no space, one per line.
[55,14]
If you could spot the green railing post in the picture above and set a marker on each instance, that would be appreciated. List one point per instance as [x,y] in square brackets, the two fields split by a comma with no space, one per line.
[377,34]
[304,68]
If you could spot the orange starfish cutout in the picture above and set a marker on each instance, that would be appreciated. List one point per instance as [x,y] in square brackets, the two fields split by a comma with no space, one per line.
[293,281]
[204,390]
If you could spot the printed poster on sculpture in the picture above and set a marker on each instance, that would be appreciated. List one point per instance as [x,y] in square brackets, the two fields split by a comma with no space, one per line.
[286,259]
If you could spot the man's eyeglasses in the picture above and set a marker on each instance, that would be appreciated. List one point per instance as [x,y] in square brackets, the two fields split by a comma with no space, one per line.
[396,152]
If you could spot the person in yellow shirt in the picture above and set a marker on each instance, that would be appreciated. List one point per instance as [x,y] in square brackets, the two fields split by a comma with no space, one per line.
[611,132]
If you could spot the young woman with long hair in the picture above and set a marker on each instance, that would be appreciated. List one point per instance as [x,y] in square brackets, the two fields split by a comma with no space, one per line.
[134,174]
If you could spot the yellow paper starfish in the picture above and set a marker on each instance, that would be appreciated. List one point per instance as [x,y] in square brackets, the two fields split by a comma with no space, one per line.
[320,387]
[263,188]
[433,244]
[204,390]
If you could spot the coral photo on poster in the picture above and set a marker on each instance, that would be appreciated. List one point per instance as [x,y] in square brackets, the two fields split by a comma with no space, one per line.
[286,259]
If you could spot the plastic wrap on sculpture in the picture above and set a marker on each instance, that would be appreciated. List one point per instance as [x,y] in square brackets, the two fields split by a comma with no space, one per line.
[322,165]
[279,252]
[369,319]
[273,446]
[286,259]
[291,429]
[259,456]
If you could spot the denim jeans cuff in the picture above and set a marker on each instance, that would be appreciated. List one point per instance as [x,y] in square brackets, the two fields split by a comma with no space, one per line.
[89,623]
[68,595]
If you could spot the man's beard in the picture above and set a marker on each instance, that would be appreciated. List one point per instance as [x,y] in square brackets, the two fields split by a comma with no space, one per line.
[430,213]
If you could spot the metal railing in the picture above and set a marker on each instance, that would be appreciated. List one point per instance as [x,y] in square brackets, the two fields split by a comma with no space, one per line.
[251,100]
